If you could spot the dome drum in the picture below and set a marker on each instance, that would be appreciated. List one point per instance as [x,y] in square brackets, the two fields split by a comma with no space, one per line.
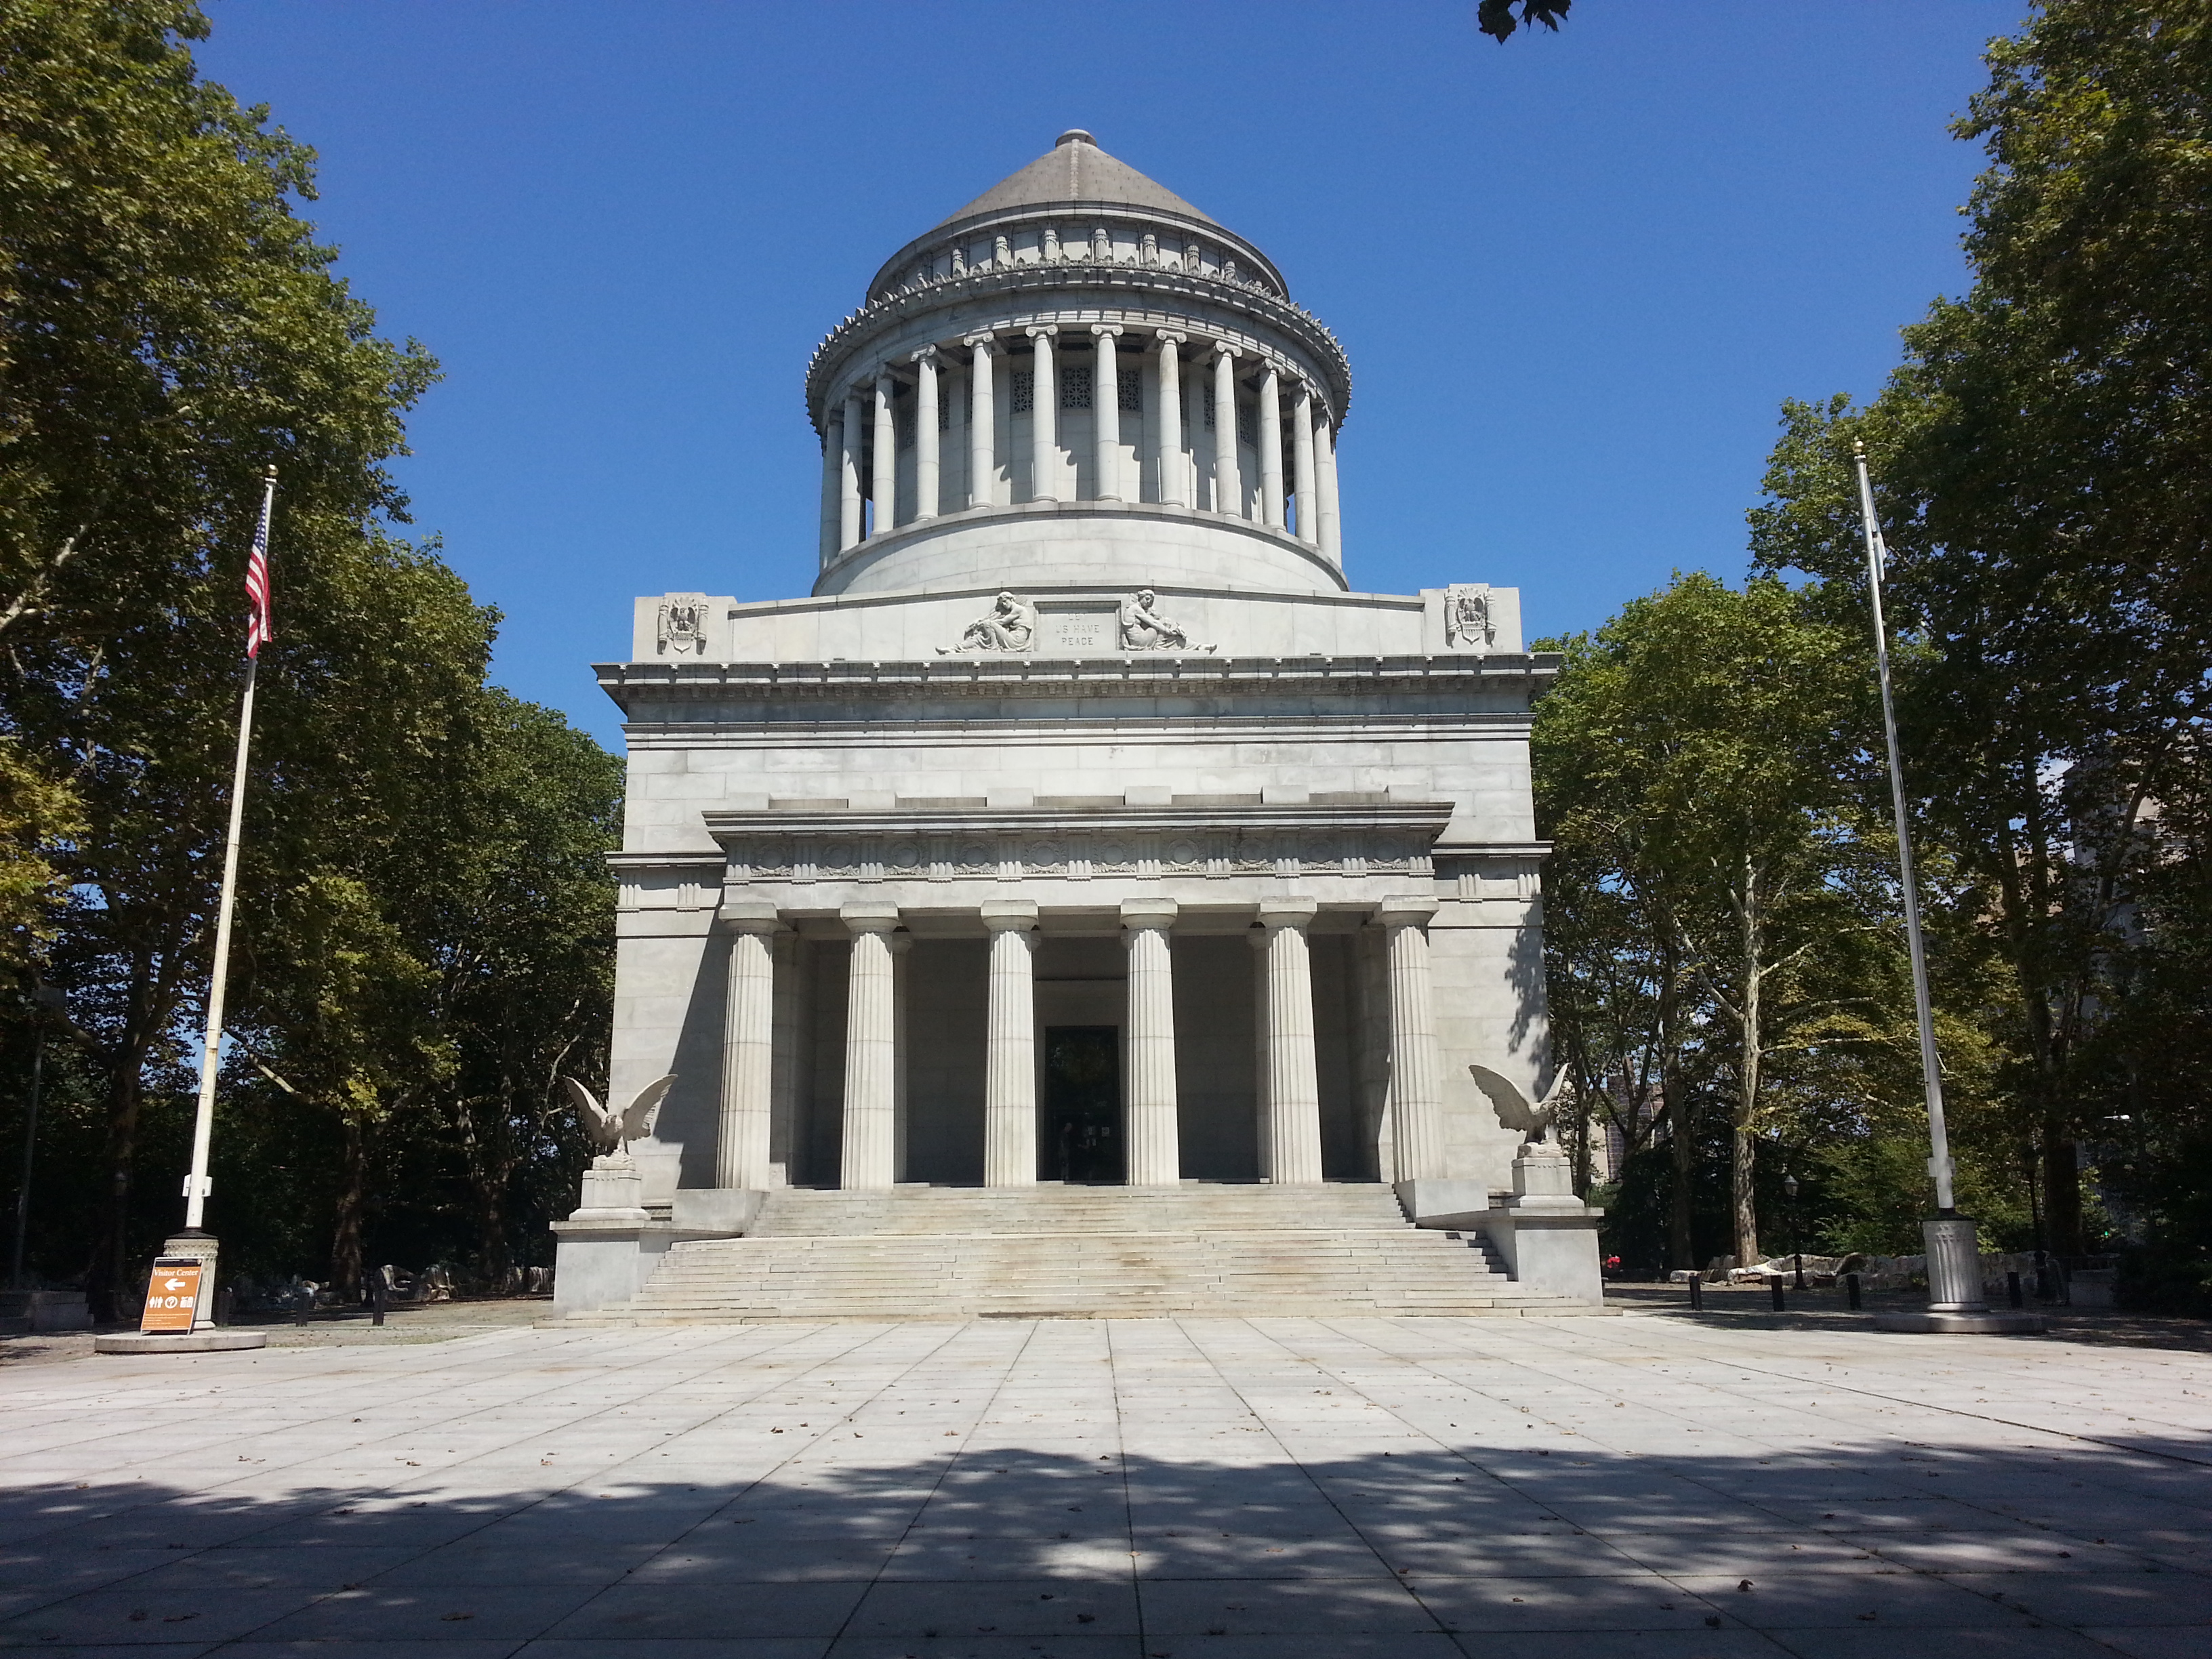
[1073,338]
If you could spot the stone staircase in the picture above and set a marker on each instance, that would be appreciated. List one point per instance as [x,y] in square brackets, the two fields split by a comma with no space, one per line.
[1054,1251]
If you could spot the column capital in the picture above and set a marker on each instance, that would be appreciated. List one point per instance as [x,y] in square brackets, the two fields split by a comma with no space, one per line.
[985,341]
[1043,331]
[1009,916]
[870,916]
[1222,348]
[886,378]
[1171,336]
[1103,329]
[748,914]
[901,942]
[926,355]
[1406,909]
[1287,911]
[1145,914]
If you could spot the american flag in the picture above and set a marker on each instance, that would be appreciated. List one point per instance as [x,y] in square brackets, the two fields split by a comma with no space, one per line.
[258,630]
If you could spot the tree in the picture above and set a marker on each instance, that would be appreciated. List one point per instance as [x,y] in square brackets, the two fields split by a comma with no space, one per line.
[2044,454]
[1495,18]
[1705,740]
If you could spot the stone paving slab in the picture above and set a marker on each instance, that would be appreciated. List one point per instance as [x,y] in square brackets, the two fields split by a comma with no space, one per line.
[1650,1487]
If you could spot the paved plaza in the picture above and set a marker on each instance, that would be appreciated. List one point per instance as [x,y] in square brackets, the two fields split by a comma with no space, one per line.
[1226,1488]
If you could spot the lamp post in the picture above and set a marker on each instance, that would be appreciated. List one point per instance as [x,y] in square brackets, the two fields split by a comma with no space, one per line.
[46,999]
[1954,1257]
[1789,1194]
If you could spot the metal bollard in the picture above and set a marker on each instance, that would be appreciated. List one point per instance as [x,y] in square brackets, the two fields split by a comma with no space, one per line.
[1774,1286]
[2013,1291]
[376,1298]
[305,1300]
[1696,1294]
[1851,1290]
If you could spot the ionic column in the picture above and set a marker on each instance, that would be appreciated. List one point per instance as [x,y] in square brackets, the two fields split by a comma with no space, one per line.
[950,393]
[1044,419]
[1416,1067]
[1010,1151]
[1293,1142]
[742,1148]
[1155,1156]
[925,433]
[1263,1125]
[1228,480]
[982,421]
[901,944]
[1106,414]
[851,435]
[886,460]
[1301,462]
[871,1051]
[1168,395]
[1271,448]
[833,457]
[1201,463]
[1332,539]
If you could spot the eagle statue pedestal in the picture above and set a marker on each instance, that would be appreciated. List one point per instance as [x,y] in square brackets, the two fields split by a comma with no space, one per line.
[613,1190]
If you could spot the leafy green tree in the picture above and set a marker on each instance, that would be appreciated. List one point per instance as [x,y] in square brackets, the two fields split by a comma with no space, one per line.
[1705,740]
[2043,455]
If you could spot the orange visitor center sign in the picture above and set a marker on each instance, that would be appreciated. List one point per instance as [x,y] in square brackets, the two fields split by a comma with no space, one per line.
[172,1297]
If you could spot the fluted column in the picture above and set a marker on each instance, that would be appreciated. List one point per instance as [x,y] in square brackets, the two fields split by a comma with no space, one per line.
[1010,1149]
[1201,452]
[852,434]
[1292,1143]
[1044,419]
[871,1051]
[1228,480]
[902,946]
[1168,396]
[833,459]
[1332,538]
[1106,414]
[1416,1067]
[784,1070]
[1271,448]
[952,481]
[742,1148]
[982,421]
[1301,463]
[1155,1158]
[1262,1124]
[925,433]
[885,492]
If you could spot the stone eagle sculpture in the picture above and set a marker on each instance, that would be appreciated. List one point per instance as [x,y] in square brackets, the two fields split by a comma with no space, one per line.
[1513,1108]
[613,1131]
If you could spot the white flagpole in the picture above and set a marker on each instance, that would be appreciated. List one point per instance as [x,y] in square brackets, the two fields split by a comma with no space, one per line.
[1954,1262]
[197,1184]
[1931,1072]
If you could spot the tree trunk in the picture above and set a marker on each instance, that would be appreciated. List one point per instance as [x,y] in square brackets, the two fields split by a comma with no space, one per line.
[1681,1133]
[2062,1189]
[1744,1148]
[346,1235]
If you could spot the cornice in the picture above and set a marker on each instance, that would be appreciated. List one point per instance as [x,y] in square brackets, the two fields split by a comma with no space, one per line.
[1048,678]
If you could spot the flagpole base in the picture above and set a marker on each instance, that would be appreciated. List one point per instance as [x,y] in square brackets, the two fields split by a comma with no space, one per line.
[215,1340]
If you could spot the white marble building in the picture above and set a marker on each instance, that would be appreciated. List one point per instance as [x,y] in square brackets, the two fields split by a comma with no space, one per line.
[1083,823]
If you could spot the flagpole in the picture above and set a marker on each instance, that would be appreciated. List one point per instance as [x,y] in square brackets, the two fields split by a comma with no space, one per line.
[197,1184]
[1955,1299]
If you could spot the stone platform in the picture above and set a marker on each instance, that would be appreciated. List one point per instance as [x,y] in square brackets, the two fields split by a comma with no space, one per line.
[1122,1489]
[1082,1252]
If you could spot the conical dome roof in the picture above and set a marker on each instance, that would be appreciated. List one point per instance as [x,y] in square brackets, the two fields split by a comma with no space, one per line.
[1076,170]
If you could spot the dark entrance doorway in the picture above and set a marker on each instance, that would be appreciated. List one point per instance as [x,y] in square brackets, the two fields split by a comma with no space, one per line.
[1082,1103]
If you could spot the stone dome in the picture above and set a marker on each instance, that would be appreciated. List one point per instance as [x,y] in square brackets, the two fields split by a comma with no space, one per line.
[1074,275]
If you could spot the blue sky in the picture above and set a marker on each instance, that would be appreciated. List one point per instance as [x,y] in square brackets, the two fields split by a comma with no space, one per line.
[1576,274]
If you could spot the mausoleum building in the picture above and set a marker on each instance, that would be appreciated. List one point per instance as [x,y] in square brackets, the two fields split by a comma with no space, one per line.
[1083,828]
